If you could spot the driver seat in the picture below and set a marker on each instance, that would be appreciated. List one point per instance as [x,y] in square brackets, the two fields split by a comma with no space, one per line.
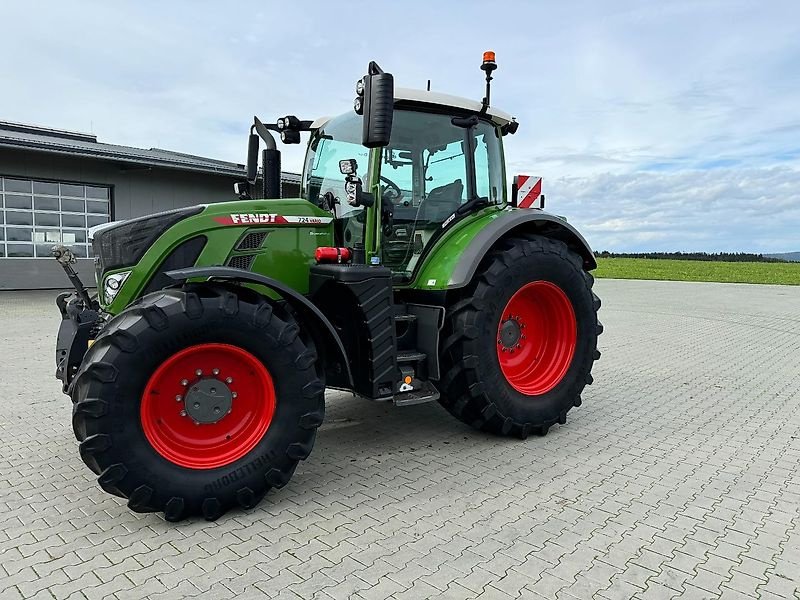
[443,200]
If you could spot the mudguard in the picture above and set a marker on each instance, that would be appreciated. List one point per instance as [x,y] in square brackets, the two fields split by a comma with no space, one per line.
[452,262]
[320,324]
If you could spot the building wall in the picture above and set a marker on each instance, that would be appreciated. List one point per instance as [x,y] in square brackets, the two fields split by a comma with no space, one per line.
[135,192]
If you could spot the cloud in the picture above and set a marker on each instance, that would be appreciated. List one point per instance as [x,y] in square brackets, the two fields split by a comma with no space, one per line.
[755,210]
[614,99]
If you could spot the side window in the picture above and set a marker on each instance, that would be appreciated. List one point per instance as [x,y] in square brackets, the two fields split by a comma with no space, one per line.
[399,169]
[445,166]
[488,166]
[322,168]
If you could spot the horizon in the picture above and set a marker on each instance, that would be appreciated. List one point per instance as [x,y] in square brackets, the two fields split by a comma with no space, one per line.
[655,128]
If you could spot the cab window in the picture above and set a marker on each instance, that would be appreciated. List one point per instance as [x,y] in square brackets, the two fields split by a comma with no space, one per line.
[424,177]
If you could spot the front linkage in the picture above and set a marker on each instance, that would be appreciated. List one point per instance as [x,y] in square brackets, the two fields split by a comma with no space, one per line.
[81,319]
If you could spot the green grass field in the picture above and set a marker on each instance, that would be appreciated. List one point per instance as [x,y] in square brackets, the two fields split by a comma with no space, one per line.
[696,270]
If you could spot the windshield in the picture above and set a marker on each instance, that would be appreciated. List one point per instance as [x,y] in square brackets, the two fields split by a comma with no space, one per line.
[323,183]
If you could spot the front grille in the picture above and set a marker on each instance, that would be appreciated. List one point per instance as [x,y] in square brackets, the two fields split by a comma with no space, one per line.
[241,262]
[123,245]
[252,240]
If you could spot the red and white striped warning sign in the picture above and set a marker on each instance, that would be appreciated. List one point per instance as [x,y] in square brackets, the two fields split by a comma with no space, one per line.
[529,188]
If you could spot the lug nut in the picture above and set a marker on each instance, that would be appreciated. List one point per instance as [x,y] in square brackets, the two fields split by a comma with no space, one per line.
[234,394]
[178,398]
[184,382]
[183,413]
[229,380]
[215,372]
[198,372]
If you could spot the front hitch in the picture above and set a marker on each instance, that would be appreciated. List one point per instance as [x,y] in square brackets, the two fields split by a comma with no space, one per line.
[80,319]
[66,258]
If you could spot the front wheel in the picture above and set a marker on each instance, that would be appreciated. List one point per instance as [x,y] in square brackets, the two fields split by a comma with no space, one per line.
[193,401]
[521,339]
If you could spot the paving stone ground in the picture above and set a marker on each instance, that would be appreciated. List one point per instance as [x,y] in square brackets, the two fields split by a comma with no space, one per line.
[678,477]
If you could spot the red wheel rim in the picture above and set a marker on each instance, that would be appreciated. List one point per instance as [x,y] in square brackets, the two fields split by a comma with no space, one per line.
[536,338]
[181,387]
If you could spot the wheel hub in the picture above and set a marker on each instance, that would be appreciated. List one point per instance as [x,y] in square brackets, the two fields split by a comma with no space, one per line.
[207,405]
[510,333]
[536,338]
[208,400]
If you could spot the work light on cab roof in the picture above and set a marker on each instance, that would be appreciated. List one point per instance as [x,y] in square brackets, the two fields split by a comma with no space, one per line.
[406,272]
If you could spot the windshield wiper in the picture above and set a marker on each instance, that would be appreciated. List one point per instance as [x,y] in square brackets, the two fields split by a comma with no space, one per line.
[472,205]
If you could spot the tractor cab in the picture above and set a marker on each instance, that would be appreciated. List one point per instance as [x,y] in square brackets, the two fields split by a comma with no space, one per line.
[438,164]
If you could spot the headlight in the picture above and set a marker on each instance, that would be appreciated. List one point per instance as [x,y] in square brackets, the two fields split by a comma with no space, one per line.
[113,284]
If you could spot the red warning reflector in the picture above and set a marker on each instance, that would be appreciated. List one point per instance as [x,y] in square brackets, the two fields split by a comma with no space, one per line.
[330,254]
[527,192]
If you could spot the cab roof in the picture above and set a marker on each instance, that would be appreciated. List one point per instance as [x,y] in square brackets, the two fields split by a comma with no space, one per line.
[409,95]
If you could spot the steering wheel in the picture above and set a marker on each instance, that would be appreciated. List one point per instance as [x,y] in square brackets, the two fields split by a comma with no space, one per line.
[391,186]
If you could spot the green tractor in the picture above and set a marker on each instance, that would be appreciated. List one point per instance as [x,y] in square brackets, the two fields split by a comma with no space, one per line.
[406,272]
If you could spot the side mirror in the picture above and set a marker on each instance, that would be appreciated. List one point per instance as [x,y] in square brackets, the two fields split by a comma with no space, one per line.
[252,158]
[375,101]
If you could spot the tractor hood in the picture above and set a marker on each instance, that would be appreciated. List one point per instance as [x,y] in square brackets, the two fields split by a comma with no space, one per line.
[274,237]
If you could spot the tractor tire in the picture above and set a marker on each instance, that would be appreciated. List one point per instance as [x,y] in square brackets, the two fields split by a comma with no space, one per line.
[196,400]
[520,340]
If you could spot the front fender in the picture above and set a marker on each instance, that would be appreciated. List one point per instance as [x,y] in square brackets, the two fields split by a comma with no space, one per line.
[311,315]
[454,259]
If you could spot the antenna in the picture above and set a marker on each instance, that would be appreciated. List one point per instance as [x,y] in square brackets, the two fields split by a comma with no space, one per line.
[488,66]
[429,85]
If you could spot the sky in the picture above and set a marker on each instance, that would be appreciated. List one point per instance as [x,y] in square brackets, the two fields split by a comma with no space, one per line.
[655,126]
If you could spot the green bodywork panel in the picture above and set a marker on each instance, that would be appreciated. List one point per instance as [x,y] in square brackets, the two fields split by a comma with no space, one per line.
[439,263]
[288,250]
[286,254]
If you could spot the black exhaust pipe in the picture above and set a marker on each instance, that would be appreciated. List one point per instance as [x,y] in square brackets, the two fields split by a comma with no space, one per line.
[271,163]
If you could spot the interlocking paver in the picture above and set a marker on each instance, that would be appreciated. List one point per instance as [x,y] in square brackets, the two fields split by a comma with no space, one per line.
[678,477]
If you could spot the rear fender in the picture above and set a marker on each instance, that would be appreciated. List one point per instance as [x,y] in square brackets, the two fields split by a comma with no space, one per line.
[321,328]
[454,260]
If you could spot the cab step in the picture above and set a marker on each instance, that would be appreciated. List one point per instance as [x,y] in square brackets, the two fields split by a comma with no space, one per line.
[427,392]
[410,356]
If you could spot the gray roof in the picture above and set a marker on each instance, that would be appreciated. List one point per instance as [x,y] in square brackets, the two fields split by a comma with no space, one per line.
[71,143]
[498,116]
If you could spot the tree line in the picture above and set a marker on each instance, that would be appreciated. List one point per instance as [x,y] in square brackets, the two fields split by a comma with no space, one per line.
[707,256]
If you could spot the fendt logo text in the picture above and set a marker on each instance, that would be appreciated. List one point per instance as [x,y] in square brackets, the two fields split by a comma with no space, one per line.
[269,219]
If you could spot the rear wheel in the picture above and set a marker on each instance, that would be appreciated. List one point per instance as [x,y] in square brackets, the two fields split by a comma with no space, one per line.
[520,341]
[197,400]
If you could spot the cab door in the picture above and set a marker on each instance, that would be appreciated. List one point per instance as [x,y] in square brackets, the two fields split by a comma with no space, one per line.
[425,178]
